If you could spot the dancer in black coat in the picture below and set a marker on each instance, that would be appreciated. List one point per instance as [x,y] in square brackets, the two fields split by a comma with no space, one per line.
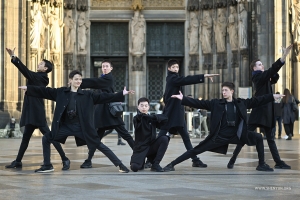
[103,118]
[263,116]
[73,116]
[146,143]
[173,108]
[228,125]
[33,110]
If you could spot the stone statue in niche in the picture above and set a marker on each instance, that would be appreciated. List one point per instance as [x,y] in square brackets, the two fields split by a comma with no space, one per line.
[295,11]
[233,28]
[38,25]
[138,31]
[69,32]
[205,33]
[56,25]
[193,33]
[220,29]
[82,30]
[193,5]
[243,20]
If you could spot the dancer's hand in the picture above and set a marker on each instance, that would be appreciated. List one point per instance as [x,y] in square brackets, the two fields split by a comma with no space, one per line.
[23,87]
[285,52]
[178,96]
[210,76]
[278,96]
[127,92]
[11,52]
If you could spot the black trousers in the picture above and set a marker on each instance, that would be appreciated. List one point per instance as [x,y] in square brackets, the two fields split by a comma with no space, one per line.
[75,130]
[184,135]
[289,129]
[155,154]
[29,129]
[210,144]
[270,135]
[121,130]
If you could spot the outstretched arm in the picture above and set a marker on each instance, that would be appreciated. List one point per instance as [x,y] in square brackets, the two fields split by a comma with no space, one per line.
[195,103]
[261,100]
[101,98]
[96,83]
[40,92]
[189,80]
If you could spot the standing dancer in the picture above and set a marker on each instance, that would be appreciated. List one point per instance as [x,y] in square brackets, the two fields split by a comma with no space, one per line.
[263,116]
[73,116]
[103,118]
[228,125]
[173,108]
[33,111]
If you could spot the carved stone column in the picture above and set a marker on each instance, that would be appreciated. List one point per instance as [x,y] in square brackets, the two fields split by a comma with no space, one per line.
[244,70]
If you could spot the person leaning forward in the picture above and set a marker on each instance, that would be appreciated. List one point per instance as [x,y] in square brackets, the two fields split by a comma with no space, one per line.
[229,125]
[73,116]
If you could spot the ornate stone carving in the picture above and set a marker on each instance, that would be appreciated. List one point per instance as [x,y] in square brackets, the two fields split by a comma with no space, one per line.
[137,5]
[82,5]
[193,33]
[206,4]
[69,32]
[55,59]
[208,62]
[193,5]
[220,25]
[232,2]
[296,51]
[137,63]
[82,30]
[234,60]
[56,25]
[220,3]
[194,62]
[38,25]
[69,4]
[205,33]
[81,62]
[295,12]
[55,3]
[233,29]
[221,61]
[243,27]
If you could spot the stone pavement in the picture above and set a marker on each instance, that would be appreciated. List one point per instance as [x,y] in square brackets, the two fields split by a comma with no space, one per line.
[103,181]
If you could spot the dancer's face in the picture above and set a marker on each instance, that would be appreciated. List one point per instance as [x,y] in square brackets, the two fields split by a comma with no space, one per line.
[174,68]
[41,67]
[106,68]
[259,66]
[75,81]
[143,107]
[227,92]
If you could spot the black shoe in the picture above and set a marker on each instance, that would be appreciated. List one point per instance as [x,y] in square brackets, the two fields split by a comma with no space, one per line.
[123,168]
[147,164]
[66,164]
[289,137]
[157,168]
[14,164]
[264,167]
[45,169]
[199,163]
[279,137]
[169,168]
[230,165]
[282,165]
[121,143]
[86,164]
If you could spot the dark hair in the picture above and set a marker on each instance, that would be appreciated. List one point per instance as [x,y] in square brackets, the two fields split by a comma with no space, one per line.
[107,61]
[73,73]
[172,62]
[287,96]
[190,95]
[253,64]
[49,65]
[277,92]
[143,99]
[229,85]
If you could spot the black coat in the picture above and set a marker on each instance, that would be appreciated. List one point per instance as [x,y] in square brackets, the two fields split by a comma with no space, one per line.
[104,84]
[173,108]
[264,114]
[33,111]
[217,108]
[145,134]
[85,108]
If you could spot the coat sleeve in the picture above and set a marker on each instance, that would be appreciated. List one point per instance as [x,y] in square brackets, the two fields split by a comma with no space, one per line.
[161,119]
[258,101]
[188,80]
[24,70]
[195,103]
[96,83]
[268,74]
[275,78]
[101,98]
[42,92]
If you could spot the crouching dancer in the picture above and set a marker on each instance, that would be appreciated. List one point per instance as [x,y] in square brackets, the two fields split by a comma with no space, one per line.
[146,144]
[229,125]
[73,116]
